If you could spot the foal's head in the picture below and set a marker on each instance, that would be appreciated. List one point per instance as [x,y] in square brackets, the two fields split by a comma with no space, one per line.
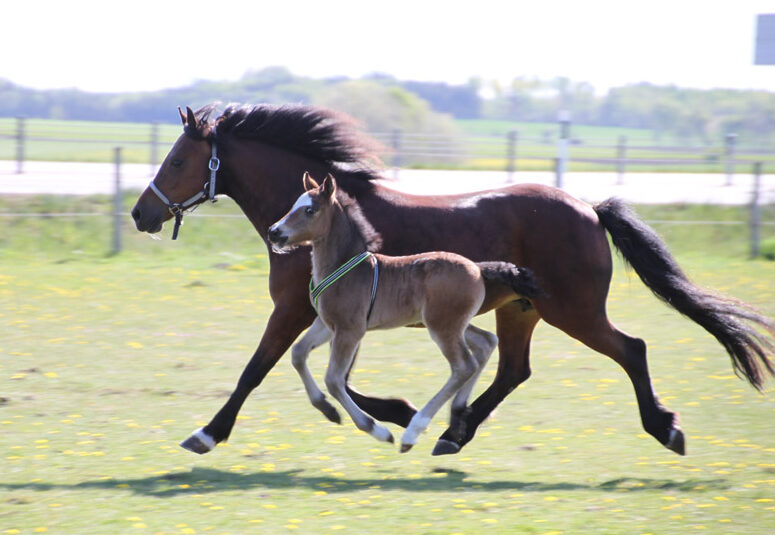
[309,218]
[313,213]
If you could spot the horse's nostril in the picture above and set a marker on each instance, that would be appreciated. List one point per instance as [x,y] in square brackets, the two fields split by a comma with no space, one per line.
[136,214]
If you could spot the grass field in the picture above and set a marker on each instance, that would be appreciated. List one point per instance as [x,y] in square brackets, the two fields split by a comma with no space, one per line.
[108,362]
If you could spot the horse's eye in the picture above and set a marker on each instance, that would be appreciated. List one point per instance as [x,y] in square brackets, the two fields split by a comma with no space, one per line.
[177,163]
[309,210]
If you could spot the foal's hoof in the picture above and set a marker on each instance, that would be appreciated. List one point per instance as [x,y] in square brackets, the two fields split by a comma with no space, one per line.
[445,447]
[199,442]
[406,447]
[676,442]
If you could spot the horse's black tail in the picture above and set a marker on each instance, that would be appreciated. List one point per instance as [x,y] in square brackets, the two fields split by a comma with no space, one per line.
[520,279]
[733,323]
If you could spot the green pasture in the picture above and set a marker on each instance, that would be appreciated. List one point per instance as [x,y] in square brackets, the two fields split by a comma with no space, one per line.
[107,362]
[482,146]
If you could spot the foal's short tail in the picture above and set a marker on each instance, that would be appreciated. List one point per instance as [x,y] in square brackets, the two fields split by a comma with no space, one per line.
[733,323]
[520,279]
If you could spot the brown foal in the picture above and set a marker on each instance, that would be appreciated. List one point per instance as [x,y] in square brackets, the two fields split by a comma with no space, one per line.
[440,290]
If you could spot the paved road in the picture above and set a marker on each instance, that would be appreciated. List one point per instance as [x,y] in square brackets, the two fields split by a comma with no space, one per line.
[90,178]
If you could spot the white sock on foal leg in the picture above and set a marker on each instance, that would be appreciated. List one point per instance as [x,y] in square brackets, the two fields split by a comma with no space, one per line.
[416,427]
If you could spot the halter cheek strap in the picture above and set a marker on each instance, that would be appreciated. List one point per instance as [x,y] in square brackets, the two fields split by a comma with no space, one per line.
[177,209]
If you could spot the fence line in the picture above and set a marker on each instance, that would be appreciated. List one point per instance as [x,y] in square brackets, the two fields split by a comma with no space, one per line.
[553,149]
[415,148]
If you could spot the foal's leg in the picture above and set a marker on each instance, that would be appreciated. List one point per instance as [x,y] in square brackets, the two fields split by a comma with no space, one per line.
[515,328]
[481,343]
[343,348]
[463,366]
[316,335]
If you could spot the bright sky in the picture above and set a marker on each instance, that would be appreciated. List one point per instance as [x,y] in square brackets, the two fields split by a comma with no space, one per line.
[145,45]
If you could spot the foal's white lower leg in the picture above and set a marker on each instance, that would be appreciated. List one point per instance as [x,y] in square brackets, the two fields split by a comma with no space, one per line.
[463,366]
[315,336]
[343,348]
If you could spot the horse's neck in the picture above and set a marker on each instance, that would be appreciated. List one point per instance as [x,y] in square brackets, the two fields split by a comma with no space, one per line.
[262,190]
[341,244]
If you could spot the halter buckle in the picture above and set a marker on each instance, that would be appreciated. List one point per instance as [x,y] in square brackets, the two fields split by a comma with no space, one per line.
[214,164]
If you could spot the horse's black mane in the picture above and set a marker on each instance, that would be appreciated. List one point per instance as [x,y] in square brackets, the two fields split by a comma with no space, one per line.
[314,132]
[354,213]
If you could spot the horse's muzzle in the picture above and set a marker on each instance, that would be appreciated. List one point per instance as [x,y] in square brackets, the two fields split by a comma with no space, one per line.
[144,222]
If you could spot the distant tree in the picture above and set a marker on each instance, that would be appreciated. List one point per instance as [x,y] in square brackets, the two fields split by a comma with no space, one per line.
[461,101]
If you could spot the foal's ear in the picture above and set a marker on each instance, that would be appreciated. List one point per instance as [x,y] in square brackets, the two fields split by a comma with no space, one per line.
[328,187]
[182,116]
[308,181]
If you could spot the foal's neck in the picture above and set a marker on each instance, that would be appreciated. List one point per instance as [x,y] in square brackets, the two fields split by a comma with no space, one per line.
[343,242]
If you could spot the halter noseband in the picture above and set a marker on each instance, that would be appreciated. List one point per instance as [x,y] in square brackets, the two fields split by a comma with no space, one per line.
[177,209]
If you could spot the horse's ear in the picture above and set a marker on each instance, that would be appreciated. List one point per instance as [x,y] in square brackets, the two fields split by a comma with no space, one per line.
[182,116]
[329,186]
[309,182]
[190,118]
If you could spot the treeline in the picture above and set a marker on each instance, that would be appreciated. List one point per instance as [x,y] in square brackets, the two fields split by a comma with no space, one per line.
[384,103]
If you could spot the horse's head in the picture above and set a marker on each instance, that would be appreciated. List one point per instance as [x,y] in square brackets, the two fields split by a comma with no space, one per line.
[184,178]
[308,219]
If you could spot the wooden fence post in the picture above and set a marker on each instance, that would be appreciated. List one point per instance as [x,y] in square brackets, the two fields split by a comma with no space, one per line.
[154,146]
[19,145]
[117,203]
[755,212]
[563,117]
[511,155]
[729,152]
[395,142]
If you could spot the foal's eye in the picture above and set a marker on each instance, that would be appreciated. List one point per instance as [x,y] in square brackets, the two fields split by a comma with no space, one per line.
[177,163]
[309,210]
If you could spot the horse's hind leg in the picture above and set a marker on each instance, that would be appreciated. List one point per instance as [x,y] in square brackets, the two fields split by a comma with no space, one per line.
[463,367]
[315,336]
[515,327]
[481,343]
[630,354]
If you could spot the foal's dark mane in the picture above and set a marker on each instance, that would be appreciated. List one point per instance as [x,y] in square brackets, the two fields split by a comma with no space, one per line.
[359,222]
[317,133]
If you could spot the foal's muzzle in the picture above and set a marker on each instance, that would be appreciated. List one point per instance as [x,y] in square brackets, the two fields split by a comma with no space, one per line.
[276,237]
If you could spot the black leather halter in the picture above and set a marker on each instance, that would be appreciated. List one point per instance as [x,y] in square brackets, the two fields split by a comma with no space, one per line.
[177,209]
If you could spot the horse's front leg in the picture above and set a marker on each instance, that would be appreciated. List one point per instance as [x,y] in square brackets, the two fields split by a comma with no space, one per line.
[316,335]
[285,323]
[343,348]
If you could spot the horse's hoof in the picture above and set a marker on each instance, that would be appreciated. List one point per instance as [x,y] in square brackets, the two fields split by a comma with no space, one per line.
[445,447]
[676,442]
[406,447]
[391,439]
[331,413]
[199,442]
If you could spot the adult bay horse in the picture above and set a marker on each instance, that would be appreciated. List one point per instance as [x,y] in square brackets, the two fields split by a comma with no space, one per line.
[255,155]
